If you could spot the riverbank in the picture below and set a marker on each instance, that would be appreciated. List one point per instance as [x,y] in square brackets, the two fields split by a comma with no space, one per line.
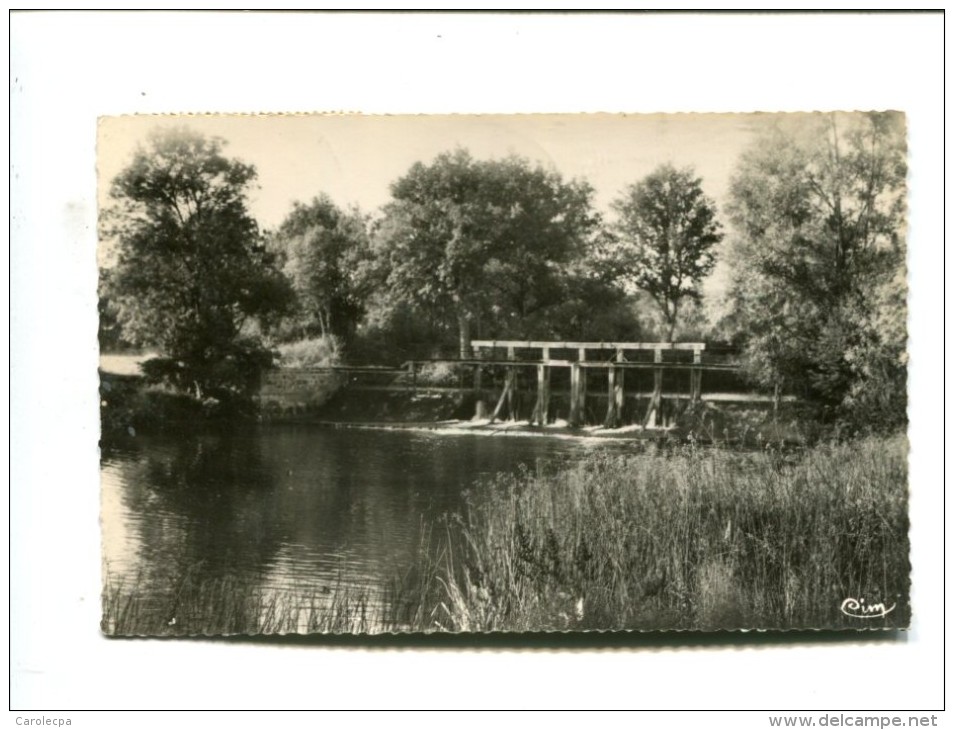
[690,539]
[654,539]
[129,405]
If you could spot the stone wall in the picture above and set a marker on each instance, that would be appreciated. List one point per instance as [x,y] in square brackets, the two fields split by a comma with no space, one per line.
[290,391]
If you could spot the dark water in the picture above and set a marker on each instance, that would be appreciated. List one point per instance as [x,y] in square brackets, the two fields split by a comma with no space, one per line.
[297,509]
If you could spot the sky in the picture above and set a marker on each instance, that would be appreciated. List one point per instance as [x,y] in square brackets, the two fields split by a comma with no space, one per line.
[354,158]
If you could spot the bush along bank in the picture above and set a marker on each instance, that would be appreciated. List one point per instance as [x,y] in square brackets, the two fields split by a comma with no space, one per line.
[129,405]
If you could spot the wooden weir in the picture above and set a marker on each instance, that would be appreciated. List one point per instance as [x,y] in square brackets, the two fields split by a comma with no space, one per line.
[616,366]
[586,357]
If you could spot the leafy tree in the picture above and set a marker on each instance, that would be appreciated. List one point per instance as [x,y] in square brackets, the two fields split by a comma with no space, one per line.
[191,269]
[482,240]
[325,252]
[591,308]
[110,332]
[818,293]
[666,229]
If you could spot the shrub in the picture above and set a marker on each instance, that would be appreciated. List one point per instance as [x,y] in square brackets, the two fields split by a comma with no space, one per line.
[437,374]
[230,373]
[312,352]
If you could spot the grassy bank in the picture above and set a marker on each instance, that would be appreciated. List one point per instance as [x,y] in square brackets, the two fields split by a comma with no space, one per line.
[129,405]
[692,539]
[680,538]
[227,606]
[231,606]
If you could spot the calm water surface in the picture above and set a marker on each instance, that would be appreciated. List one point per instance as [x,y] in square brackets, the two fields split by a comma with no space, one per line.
[303,510]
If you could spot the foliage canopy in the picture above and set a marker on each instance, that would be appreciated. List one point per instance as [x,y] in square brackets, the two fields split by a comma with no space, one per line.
[819,287]
[191,269]
[326,252]
[485,240]
[667,229]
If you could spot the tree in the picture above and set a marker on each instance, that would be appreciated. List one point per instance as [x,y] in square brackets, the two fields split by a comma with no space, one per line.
[818,293]
[667,228]
[482,240]
[191,269]
[110,332]
[325,250]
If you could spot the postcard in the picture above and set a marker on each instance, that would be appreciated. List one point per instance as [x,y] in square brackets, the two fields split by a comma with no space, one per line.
[503,373]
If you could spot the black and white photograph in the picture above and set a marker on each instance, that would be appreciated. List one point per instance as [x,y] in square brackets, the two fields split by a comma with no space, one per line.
[477,360]
[367,374]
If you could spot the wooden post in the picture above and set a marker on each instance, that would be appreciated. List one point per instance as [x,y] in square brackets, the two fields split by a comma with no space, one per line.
[480,408]
[655,402]
[512,401]
[612,416]
[582,393]
[574,418]
[545,410]
[696,383]
[504,396]
[657,397]
[618,394]
[578,391]
[413,371]
[542,406]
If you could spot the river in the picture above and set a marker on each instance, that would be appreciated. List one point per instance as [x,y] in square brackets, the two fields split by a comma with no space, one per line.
[302,511]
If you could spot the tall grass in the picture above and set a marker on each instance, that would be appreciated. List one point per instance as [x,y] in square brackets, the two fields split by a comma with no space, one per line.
[692,539]
[231,606]
[192,604]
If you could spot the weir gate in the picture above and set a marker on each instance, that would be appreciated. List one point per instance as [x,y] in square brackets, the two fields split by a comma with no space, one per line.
[582,359]
[583,382]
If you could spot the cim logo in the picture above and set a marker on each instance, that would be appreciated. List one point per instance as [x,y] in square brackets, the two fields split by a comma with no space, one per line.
[857,608]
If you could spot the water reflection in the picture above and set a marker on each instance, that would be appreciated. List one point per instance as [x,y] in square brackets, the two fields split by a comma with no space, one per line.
[297,510]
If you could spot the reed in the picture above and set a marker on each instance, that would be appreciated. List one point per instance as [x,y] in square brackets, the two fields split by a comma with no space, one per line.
[230,606]
[688,539]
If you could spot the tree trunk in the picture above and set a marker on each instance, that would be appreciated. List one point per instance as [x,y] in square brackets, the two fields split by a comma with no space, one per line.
[670,315]
[674,319]
[321,323]
[463,326]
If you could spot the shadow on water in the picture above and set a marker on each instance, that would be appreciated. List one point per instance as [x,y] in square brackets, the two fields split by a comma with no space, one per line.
[288,516]
[300,529]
